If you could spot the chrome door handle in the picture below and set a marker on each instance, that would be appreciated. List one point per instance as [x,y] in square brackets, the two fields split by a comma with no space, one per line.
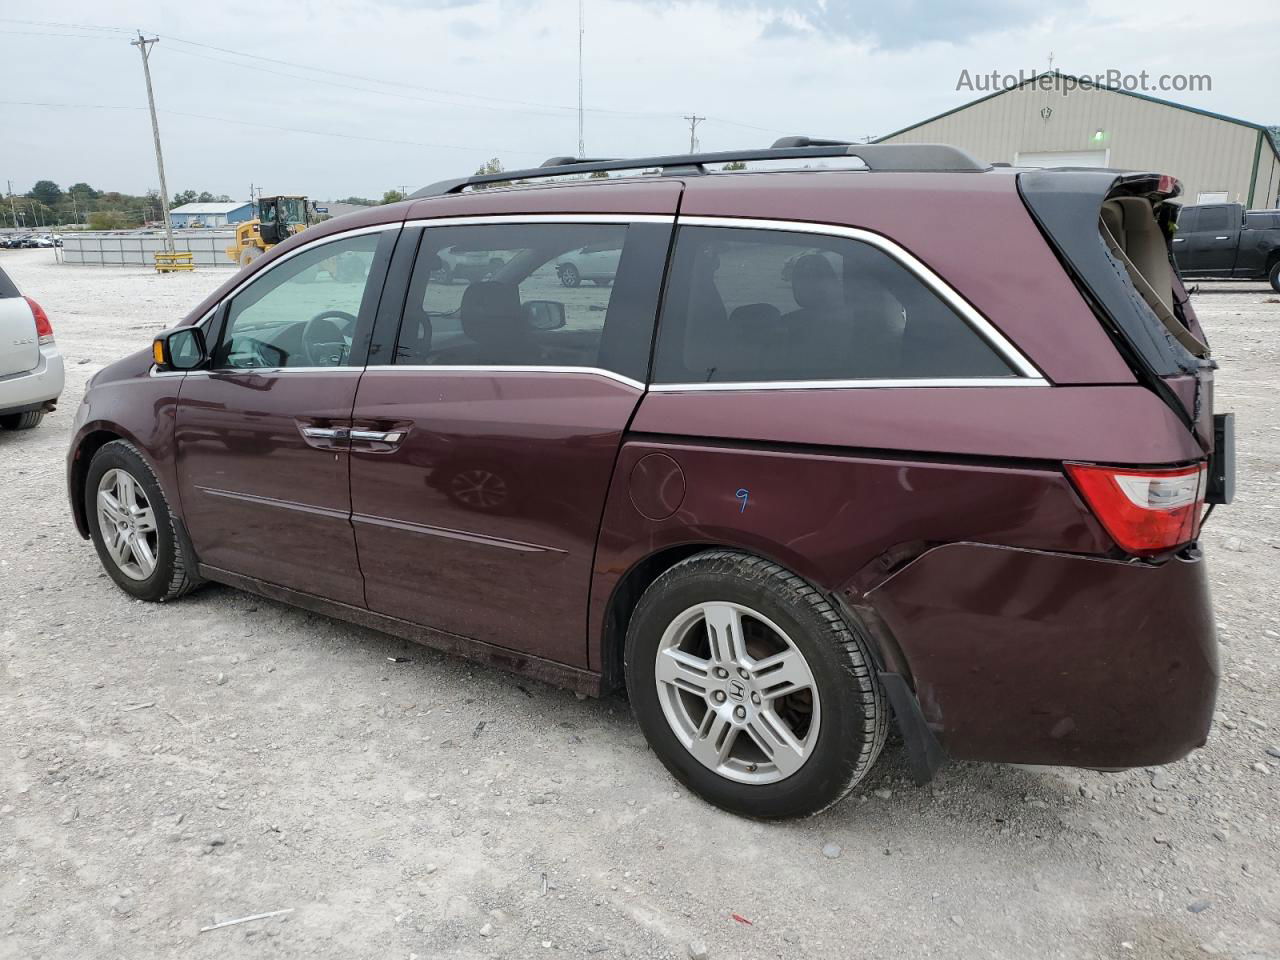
[378,436]
[1222,238]
[324,433]
[1179,239]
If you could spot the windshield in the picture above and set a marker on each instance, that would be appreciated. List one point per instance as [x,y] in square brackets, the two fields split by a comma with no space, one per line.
[293,210]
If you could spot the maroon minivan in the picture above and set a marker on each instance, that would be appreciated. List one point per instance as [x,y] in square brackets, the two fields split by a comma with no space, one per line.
[790,453]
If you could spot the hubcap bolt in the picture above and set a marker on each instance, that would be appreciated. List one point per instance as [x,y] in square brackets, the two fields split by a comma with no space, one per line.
[755,698]
[721,672]
[719,696]
[742,672]
[740,712]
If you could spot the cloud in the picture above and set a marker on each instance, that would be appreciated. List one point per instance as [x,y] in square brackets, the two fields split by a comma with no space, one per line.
[897,26]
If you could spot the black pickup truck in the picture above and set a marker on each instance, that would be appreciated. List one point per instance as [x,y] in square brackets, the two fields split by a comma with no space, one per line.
[1225,240]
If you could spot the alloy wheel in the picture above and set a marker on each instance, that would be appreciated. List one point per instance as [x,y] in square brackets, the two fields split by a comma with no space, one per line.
[128,524]
[737,692]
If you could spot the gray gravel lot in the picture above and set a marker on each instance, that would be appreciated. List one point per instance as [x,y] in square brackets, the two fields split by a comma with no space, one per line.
[165,768]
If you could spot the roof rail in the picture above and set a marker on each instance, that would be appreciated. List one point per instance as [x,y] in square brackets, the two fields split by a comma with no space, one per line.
[878,157]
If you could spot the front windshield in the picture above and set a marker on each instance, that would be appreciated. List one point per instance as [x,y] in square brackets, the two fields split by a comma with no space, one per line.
[293,210]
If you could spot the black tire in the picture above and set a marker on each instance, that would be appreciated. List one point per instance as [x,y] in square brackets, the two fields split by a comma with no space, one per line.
[569,275]
[22,421]
[174,572]
[1274,276]
[854,712]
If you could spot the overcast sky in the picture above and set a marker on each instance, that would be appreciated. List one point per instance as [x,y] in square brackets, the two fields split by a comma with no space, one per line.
[338,97]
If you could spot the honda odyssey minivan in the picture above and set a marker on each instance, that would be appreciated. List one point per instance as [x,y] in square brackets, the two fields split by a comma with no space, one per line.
[924,443]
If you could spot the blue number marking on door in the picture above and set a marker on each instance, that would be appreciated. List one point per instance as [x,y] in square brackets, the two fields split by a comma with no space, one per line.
[744,495]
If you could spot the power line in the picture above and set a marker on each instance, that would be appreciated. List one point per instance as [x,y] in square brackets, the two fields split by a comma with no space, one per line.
[274,126]
[637,114]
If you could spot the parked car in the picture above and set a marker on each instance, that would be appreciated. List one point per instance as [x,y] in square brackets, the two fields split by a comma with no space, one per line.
[1225,240]
[31,373]
[596,263]
[782,514]
[468,265]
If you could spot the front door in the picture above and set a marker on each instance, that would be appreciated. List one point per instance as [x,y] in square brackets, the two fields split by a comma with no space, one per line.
[481,454]
[1213,242]
[262,435]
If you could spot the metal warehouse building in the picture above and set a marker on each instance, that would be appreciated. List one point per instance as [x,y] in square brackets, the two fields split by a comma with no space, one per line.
[211,214]
[1217,158]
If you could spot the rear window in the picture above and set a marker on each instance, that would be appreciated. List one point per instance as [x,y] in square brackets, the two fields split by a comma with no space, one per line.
[7,289]
[750,305]
[1262,221]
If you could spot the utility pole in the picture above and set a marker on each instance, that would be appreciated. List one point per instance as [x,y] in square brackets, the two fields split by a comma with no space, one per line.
[143,44]
[13,209]
[582,143]
[693,131]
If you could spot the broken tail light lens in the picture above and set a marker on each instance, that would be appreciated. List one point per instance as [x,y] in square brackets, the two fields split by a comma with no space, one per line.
[1145,511]
[44,329]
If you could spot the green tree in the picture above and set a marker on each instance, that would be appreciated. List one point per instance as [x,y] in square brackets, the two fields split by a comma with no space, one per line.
[493,165]
[359,201]
[207,197]
[184,197]
[82,191]
[599,175]
[108,220]
[735,165]
[392,196]
[46,192]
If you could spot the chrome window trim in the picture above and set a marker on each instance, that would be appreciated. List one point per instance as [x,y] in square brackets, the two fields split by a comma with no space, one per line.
[965,382]
[506,368]
[273,371]
[537,218]
[980,324]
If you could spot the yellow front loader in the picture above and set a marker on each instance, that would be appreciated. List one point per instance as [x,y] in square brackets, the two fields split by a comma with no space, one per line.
[278,219]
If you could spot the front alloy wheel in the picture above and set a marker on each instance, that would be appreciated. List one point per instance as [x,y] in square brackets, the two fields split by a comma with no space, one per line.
[128,524]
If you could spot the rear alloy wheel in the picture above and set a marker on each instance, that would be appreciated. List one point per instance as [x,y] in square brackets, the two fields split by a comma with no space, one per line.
[132,527]
[22,421]
[1274,276]
[569,275]
[751,688]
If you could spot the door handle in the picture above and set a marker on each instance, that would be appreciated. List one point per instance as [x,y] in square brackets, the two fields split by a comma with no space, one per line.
[1222,238]
[1179,239]
[378,436]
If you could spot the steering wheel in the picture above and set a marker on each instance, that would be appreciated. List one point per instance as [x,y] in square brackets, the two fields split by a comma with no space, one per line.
[321,334]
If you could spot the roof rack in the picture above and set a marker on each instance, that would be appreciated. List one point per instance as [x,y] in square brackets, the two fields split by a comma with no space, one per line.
[878,157]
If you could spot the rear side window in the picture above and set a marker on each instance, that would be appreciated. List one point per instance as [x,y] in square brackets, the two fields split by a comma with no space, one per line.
[1188,219]
[746,305]
[7,288]
[534,295]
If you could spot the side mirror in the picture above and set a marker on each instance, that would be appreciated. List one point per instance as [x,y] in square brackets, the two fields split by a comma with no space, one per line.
[544,314]
[180,349]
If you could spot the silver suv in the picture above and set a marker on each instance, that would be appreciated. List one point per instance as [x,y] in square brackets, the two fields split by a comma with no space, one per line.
[31,374]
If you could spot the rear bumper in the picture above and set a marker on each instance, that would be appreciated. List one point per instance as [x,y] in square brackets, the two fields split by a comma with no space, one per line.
[1019,656]
[32,389]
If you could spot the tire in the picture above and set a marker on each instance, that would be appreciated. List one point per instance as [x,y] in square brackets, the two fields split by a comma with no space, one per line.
[1274,276]
[779,612]
[171,572]
[22,421]
[569,275]
[248,255]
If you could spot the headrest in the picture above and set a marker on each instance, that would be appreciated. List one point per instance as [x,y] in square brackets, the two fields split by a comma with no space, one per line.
[491,312]
[814,283]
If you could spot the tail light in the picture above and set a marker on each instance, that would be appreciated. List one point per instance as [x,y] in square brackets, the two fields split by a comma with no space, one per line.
[1145,511]
[44,329]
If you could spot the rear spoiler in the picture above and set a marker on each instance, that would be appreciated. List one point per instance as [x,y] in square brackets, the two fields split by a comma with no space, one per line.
[1066,204]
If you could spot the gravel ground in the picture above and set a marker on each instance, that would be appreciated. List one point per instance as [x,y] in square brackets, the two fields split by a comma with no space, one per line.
[169,767]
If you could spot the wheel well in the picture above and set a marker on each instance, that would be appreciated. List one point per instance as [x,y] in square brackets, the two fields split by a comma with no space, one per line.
[626,595]
[91,444]
[1272,258]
